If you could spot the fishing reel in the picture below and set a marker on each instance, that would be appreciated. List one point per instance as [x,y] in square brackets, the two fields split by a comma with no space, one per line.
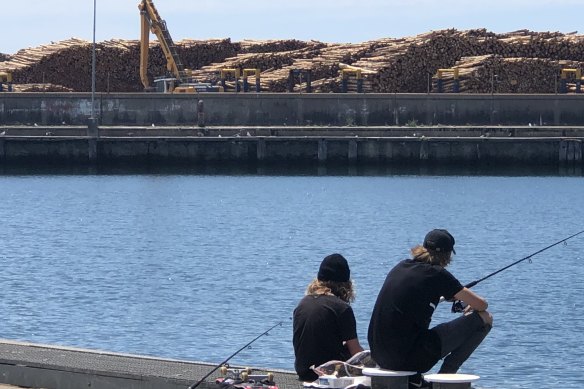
[458,306]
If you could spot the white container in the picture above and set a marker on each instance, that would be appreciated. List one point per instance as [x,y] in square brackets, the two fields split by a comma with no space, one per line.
[331,381]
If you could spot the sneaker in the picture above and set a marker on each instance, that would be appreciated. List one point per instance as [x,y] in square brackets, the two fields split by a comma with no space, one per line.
[418,382]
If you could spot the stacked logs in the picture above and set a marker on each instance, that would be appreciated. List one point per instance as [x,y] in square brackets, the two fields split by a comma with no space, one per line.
[40,88]
[324,67]
[269,46]
[495,74]
[524,61]
[257,59]
[66,63]
[408,65]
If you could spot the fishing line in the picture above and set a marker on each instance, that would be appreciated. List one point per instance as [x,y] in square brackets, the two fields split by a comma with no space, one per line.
[470,285]
[457,306]
[193,386]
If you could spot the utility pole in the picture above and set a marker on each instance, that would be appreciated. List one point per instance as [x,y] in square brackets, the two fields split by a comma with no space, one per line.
[92,130]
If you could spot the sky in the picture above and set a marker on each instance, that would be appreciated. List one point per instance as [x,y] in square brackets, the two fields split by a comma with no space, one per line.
[30,23]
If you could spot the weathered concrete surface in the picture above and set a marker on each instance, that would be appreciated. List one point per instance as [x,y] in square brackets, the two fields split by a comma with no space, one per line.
[310,131]
[55,367]
[292,109]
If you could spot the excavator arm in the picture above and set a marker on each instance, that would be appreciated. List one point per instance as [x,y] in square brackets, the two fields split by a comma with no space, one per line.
[150,21]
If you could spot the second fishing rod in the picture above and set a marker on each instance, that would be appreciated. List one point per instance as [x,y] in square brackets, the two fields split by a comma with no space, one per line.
[196,384]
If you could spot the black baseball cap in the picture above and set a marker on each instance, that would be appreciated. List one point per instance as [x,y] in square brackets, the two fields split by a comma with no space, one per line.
[334,267]
[439,240]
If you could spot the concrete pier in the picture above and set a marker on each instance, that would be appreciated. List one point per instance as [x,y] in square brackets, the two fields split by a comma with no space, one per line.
[53,367]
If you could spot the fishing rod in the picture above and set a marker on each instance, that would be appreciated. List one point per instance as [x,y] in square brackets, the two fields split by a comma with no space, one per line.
[457,306]
[193,386]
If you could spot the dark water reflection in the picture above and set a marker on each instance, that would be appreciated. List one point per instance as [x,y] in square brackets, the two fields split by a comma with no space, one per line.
[291,169]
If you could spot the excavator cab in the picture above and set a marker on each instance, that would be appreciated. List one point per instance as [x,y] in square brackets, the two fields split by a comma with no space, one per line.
[173,85]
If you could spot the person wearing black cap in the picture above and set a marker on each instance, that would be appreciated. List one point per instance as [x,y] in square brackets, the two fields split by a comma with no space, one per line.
[324,325]
[399,332]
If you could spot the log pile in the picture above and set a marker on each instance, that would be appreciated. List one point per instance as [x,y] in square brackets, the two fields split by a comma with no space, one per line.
[495,74]
[407,65]
[68,63]
[40,88]
[265,61]
[324,65]
[270,46]
[524,61]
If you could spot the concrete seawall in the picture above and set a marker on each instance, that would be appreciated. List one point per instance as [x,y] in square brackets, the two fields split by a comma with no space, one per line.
[289,150]
[291,109]
[290,128]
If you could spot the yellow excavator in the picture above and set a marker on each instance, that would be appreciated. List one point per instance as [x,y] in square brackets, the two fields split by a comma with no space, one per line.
[179,79]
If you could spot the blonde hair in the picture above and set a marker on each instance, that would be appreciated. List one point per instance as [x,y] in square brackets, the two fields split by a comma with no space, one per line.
[343,290]
[422,254]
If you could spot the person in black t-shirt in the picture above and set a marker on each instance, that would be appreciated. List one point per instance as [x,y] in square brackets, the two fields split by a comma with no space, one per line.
[399,335]
[324,326]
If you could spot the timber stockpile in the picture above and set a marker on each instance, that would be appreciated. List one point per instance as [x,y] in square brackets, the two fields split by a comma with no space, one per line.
[517,62]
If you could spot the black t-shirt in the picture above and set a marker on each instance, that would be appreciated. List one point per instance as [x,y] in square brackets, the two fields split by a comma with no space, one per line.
[321,324]
[398,334]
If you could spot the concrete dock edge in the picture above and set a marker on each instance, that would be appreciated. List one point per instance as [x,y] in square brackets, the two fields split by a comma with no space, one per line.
[57,367]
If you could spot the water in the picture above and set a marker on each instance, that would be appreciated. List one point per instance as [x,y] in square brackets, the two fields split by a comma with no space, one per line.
[193,267]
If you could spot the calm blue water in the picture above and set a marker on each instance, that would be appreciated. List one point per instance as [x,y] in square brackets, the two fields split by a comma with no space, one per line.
[195,266]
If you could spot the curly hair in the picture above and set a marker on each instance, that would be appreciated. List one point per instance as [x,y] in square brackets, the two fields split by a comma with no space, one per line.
[422,254]
[343,290]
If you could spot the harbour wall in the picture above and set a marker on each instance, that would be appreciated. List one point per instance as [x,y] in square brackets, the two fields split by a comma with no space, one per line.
[292,128]
[294,150]
[291,109]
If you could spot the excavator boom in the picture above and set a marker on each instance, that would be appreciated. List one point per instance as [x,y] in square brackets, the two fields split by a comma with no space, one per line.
[152,22]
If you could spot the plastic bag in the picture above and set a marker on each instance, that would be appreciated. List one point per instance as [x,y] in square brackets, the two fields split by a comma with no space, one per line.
[352,367]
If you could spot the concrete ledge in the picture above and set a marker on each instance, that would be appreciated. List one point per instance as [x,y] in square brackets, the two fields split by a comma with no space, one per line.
[300,131]
[292,109]
[52,367]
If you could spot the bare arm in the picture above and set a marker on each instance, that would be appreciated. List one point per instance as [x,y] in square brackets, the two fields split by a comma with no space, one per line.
[353,346]
[471,298]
